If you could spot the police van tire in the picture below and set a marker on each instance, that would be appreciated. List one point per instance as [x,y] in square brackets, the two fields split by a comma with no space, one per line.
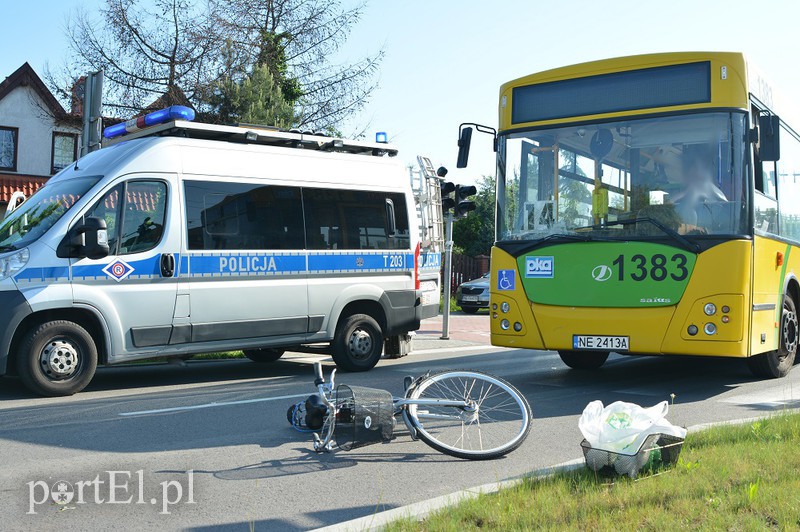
[778,363]
[583,359]
[358,343]
[263,356]
[57,358]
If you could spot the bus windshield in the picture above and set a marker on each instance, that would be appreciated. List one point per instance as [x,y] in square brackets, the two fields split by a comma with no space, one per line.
[679,174]
[41,211]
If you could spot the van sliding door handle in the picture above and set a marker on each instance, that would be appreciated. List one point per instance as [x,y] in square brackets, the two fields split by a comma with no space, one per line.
[167,265]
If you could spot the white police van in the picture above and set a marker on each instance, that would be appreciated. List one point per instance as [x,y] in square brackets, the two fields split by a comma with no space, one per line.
[181,238]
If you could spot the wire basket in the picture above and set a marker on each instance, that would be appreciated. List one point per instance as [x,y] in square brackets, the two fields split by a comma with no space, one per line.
[658,450]
[363,416]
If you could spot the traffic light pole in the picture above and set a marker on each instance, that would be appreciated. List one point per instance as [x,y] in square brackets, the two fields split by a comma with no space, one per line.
[448,274]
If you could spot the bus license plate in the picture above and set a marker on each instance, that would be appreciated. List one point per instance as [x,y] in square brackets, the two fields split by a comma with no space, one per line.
[601,343]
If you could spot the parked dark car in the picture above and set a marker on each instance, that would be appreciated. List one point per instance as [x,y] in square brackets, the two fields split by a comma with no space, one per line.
[473,295]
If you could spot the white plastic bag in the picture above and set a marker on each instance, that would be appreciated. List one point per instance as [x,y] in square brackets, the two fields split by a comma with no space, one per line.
[623,427]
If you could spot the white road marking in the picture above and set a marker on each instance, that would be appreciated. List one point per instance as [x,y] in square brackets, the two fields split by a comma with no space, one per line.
[212,405]
[777,396]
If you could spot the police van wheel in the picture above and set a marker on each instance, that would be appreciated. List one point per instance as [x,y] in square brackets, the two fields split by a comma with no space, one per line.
[57,358]
[263,356]
[583,359]
[358,343]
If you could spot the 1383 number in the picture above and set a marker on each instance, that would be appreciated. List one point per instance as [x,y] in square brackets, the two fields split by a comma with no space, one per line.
[657,268]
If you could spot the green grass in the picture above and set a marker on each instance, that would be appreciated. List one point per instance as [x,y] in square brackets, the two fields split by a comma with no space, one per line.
[453,306]
[742,477]
[217,356]
[205,356]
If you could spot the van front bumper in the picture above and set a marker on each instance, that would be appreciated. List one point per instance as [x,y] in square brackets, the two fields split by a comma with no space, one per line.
[13,309]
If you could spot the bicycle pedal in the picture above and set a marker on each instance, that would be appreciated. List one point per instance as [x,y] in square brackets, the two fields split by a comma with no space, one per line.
[407,380]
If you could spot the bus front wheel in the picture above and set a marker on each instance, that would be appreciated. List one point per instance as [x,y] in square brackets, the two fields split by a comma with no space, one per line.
[776,364]
[583,359]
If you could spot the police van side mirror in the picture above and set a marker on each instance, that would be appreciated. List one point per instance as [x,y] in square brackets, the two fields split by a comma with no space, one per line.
[89,239]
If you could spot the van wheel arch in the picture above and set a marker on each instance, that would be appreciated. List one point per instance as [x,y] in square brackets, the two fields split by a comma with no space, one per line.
[369,307]
[82,317]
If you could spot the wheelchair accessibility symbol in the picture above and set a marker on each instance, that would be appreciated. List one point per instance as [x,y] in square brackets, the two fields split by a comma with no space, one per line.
[506,280]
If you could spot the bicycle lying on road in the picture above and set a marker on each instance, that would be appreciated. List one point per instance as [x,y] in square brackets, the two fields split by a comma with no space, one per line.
[466,414]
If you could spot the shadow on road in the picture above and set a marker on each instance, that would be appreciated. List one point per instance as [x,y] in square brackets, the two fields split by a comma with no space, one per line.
[552,389]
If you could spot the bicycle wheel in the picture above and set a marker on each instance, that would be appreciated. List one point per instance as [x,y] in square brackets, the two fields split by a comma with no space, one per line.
[495,422]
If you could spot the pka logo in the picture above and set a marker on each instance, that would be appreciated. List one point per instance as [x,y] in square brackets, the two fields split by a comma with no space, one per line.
[539,267]
[602,273]
[118,270]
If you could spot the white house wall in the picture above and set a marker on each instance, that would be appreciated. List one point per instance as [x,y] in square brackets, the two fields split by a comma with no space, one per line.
[23,109]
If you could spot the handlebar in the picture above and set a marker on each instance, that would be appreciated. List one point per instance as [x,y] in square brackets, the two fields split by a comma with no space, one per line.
[320,379]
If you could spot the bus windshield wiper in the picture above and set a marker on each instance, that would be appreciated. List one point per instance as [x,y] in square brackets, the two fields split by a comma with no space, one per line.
[567,236]
[685,243]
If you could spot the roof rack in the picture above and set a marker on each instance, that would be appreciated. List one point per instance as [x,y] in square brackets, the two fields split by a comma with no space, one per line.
[257,135]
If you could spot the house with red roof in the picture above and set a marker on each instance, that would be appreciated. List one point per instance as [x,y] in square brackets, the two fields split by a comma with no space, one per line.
[38,137]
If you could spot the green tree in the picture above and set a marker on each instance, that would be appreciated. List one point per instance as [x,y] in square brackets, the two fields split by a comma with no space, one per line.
[475,233]
[296,40]
[257,99]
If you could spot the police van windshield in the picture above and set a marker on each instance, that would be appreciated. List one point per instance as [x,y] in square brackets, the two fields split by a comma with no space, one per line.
[41,211]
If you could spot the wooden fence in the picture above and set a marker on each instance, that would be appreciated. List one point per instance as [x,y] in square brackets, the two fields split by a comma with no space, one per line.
[466,268]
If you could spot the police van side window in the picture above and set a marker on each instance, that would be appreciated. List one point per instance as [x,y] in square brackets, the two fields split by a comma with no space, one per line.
[239,216]
[354,219]
[136,224]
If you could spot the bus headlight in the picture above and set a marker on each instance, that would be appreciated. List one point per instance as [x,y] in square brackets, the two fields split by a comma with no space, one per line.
[710,329]
[505,324]
[710,309]
[505,307]
[13,263]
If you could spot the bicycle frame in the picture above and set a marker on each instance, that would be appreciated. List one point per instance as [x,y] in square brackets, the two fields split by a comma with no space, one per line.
[401,404]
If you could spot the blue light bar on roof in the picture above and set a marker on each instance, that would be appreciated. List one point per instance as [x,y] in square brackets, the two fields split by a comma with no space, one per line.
[176,112]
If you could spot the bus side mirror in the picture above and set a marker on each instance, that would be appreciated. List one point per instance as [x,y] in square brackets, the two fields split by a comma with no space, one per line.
[463,147]
[769,146]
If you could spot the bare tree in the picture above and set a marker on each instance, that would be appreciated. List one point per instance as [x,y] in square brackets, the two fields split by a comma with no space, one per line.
[296,39]
[198,50]
[146,49]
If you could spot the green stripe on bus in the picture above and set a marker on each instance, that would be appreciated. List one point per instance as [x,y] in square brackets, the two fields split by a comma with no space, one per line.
[782,281]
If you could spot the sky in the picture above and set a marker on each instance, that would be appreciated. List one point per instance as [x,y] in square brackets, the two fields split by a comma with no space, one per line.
[446,59]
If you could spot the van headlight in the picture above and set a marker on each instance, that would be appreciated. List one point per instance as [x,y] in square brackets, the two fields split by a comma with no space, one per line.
[13,263]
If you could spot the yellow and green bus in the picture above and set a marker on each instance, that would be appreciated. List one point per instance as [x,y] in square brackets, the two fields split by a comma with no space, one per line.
[647,205]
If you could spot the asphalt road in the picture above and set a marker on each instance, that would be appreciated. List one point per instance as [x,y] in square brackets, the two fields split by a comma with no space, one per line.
[226,423]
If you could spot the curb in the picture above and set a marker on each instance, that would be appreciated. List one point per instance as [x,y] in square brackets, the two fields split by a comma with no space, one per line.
[419,510]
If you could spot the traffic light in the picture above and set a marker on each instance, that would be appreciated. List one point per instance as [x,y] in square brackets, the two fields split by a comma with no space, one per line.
[448,202]
[463,205]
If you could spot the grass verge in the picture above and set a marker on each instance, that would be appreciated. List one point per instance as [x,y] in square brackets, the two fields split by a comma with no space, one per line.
[741,477]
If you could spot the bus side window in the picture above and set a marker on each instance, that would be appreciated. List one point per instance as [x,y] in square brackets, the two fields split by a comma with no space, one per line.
[789,186]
